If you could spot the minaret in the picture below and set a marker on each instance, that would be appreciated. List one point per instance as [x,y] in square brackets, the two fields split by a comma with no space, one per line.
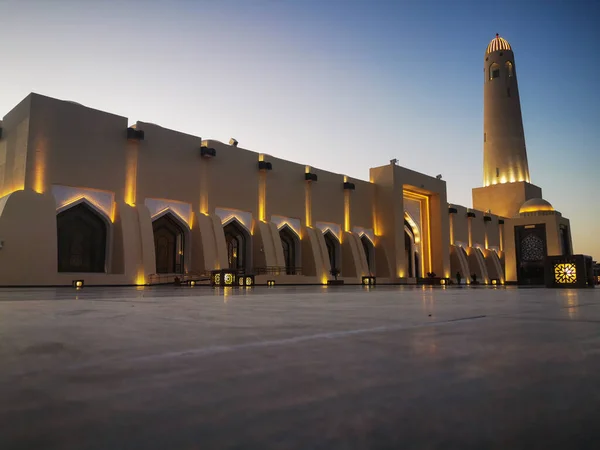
[506,183]
[504,154]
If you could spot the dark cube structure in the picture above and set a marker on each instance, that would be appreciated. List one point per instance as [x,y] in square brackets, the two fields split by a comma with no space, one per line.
[572,271]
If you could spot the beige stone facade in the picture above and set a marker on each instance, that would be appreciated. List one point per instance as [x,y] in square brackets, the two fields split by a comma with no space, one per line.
[85,196]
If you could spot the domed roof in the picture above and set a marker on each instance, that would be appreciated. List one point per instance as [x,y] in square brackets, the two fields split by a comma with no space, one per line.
[498,44]
[535,205]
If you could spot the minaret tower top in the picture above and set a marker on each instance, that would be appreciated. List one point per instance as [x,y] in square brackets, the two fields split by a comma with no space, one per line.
[504,153]
[506,183]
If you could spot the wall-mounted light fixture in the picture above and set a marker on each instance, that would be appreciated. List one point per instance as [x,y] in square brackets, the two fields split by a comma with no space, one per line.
[77,284]
[310,176]
[487,219]
[135,135]
[452,210]
[233,142]
[270,282]
[208,152]
[349,186]
[470,214]
[264,165]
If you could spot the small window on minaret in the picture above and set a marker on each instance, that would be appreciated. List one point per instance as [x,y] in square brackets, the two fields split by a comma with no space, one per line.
[508,92]
[509,69]
[484,137]
[494,71]
[497,172]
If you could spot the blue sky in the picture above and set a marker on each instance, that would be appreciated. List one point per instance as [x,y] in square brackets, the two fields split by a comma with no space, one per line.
[342,85]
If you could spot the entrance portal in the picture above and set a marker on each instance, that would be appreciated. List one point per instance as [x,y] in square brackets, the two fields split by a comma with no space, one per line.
[169,244]
[81,234]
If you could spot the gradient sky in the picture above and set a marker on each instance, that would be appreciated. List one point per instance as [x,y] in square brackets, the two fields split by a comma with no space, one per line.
[343,85]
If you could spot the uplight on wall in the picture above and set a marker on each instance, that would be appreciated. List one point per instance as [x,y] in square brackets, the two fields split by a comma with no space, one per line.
[270,282]
[78,284]
[192,283]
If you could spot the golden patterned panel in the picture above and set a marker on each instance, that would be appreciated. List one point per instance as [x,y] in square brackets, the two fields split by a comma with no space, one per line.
[565,273]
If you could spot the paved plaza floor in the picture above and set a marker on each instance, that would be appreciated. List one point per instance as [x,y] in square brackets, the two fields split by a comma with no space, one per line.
[299,368]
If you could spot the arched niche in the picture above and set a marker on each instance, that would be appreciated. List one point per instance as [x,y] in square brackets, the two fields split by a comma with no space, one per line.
[171,236]
[410,248]
[82,238]
[494,71]
[369,250]
[239,245]
[290,241]
[334,250]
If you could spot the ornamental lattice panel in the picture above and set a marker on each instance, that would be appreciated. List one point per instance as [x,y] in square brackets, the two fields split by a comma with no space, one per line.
[532,248]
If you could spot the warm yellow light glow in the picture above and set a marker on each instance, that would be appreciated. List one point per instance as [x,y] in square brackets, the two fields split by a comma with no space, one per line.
[425,214]
[204,186]
[442,281]
[109,213]
[262,195]
[39,177]
[308,204]
[131,163]
[451,229]
[494,282]
[565,273]
[346,210]
[140,279]
[324,279]
[503,179]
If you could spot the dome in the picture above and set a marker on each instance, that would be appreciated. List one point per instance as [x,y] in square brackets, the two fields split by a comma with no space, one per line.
[535,205]
[498,44]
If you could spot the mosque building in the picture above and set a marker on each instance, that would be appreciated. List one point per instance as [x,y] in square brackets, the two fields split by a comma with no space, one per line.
[84,196]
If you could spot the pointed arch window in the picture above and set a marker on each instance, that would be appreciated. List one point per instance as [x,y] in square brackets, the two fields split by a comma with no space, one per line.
[290,244]
[369,252]
[494,71]
[169,244]
[333,249]
[509,69]
[237,240]
[82,238]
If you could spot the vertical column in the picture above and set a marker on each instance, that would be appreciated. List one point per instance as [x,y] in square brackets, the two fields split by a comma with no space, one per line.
[262,195]
[307,201]
[204,187]
[346,207]
[131,167]
[501,233]
[451,220]
[470,216]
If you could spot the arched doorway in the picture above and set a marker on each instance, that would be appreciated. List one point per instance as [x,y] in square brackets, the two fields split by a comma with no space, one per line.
[82,236]
[237,240]
[333,249]
[411,254]
[169,244]
[289,242]
[369,250]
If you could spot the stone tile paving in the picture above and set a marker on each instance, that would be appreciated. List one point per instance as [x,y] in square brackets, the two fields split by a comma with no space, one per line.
[299,367]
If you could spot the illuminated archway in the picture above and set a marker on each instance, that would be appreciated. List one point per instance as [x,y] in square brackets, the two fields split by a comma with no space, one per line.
[238,242]
[290,242]
[82,238]
[333,250]
[369,250]
[169,243]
